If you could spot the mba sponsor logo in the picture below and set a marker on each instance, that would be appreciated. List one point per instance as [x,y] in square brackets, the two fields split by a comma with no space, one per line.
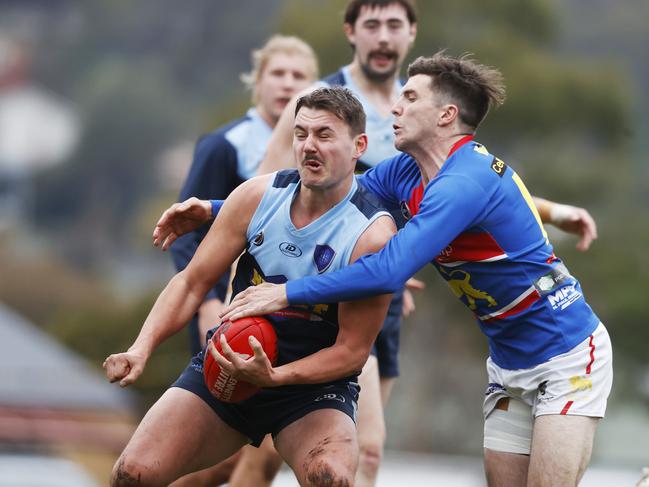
[290,249]
[564,297]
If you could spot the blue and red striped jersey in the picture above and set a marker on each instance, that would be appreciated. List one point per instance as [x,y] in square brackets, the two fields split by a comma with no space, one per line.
[476,223]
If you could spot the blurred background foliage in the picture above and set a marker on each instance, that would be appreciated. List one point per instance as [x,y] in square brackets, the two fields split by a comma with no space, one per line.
[147,78]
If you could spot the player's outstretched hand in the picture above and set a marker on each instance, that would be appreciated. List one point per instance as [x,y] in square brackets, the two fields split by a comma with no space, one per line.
[573,219]
[124,367]
[179,219]
[256,369]
[256,301]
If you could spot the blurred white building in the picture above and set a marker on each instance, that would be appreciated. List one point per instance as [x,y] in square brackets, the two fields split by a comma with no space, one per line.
[38,129]
[54,405]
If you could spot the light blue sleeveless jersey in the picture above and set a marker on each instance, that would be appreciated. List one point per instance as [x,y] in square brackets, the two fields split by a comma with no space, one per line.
[278,251]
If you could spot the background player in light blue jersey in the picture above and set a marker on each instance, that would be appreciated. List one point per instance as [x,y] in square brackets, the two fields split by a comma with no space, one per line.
[308,401]
[550,360]
[223,159]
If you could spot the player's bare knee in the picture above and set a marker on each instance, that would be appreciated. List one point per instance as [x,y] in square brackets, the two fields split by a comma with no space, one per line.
[323,473]
[328,463]
[130,474]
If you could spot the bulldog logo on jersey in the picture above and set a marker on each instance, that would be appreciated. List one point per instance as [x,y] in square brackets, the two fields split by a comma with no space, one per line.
[460,282]
[323,256]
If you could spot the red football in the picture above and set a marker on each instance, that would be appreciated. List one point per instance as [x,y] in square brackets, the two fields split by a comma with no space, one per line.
[221,384]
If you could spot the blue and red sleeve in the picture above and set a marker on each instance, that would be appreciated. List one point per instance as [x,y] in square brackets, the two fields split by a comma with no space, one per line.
[449,206]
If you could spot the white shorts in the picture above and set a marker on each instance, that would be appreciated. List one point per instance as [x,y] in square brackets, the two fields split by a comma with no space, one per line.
[577,382]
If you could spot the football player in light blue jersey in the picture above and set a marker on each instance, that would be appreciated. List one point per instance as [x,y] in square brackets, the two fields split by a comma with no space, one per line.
[381,33]
[550,358]
[223,159]
[308,400]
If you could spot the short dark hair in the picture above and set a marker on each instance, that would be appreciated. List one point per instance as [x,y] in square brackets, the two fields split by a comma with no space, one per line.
[354,8]
[475,88]
[338,101]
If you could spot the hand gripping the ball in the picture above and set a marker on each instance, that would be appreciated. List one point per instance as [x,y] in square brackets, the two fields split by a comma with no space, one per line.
[257,369]
[124,367]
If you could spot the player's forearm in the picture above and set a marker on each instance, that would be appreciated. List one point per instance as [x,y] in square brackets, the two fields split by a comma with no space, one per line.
[544,207]
[326,365]
[172,310]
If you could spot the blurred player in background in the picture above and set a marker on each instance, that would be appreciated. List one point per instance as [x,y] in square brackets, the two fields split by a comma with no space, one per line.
[550,357]
[223,159]
[308,401]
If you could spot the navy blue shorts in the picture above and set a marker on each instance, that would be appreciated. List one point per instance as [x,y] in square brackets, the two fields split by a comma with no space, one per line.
[386,346]
[272,409]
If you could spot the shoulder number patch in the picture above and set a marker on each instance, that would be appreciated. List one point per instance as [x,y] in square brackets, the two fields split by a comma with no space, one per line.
[498,166]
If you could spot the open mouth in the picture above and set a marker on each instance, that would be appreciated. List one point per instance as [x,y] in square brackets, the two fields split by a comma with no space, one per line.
[283,101]
[312,163]
[383,57]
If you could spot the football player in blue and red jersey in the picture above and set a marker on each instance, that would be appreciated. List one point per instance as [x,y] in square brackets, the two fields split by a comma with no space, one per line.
[471,216]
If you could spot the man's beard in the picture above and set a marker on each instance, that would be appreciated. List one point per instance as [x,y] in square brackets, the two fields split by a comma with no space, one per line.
[379,76]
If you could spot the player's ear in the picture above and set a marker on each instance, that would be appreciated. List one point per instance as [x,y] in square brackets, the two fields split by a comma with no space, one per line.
[449,113]
[360,143]
[412,34]
[349,33]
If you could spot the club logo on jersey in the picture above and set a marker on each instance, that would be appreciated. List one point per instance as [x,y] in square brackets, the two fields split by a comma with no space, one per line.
[290,249]
[564,297]
[498,166]
[323,256]
[460,284]
[259,239]
[405,211]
